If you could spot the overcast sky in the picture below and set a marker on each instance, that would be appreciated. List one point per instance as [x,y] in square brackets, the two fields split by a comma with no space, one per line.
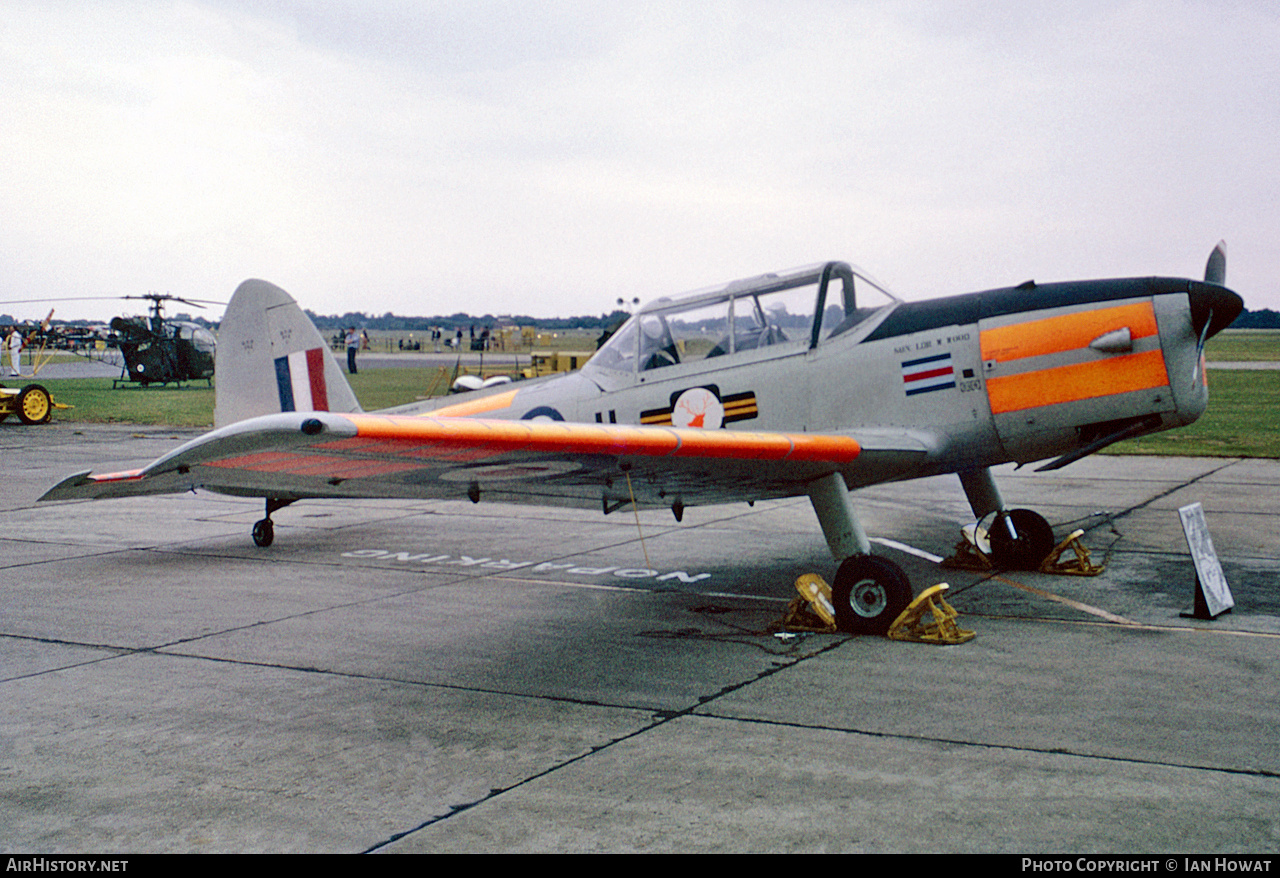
[547,158]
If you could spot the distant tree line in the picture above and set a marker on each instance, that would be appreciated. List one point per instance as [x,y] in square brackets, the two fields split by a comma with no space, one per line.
[1263,319]
[393,322]
[460,320]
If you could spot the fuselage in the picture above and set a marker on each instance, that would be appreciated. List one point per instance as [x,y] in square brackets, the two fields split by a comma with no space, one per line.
[1016,374]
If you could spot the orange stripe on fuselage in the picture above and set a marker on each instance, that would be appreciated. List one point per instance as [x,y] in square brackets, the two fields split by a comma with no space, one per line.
[475,406]
[1011,393]
[1066,332]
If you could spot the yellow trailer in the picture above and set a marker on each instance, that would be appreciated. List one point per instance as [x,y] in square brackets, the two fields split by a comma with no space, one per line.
[32,404]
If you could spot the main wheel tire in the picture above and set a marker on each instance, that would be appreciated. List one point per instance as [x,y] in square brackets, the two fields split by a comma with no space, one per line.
[1026,551]
[868,594]
[35,405]
[264,533]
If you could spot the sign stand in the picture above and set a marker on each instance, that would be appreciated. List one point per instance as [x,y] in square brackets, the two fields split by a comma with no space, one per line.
[1212,597]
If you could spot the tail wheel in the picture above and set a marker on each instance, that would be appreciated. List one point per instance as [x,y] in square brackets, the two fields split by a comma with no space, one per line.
[264,530]
[34,405]
[1028,545]
[868,594]
[264,533]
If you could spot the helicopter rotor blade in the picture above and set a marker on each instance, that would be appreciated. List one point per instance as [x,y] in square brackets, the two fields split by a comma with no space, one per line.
[100,299]
[157,298]
[63,299]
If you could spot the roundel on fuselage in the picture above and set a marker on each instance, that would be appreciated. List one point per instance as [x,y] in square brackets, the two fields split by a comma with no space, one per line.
[542,413]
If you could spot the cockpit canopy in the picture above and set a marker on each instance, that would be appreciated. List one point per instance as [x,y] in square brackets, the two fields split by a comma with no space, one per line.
[203,340]
[793,310]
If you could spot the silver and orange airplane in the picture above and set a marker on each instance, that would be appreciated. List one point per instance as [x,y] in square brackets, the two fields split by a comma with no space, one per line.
[806,382]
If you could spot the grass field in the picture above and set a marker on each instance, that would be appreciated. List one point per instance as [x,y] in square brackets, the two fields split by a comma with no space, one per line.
[192,406]
[96,403]
[1244,345]
[1243,419]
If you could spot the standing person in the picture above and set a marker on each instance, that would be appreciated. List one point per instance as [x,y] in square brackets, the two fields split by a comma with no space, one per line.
[353,346]
[14,343]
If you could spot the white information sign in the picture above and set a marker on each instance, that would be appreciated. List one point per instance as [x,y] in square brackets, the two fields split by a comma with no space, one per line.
[1213,585]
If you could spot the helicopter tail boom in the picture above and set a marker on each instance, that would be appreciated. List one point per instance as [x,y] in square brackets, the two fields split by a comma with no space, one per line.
[271,358]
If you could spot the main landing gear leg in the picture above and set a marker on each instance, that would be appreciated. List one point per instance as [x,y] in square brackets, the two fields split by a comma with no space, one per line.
[869,591]
[1020,538]
[264,531]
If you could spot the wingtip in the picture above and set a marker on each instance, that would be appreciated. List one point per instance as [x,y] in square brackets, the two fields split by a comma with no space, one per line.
[84,485]
[66,489]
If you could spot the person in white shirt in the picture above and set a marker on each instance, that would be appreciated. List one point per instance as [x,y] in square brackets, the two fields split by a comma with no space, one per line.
[14,344]
[353,346]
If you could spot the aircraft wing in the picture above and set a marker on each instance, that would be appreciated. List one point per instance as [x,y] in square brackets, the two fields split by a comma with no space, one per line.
[296,455]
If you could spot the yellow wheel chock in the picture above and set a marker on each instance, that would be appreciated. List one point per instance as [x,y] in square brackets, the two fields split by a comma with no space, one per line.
[969,555]
[1079,566]
[929,619]
[812,611]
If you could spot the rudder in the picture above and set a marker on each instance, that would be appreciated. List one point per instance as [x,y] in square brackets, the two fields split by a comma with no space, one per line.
[271,358]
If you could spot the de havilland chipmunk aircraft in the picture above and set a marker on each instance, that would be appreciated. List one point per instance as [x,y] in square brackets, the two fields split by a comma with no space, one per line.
[809,382]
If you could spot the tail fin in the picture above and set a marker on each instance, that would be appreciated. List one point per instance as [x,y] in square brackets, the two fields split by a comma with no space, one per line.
[271,358]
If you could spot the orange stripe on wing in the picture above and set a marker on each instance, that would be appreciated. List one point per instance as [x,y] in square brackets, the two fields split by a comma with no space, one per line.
[1066,332]
[734,445]
[1078,381]
[835,449]
[445,438]
[767,446]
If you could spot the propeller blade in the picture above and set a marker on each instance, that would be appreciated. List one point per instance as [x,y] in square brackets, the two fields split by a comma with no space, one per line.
[1215,270]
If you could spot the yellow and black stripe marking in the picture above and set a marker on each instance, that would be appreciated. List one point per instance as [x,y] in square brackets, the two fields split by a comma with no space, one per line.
[737,407]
